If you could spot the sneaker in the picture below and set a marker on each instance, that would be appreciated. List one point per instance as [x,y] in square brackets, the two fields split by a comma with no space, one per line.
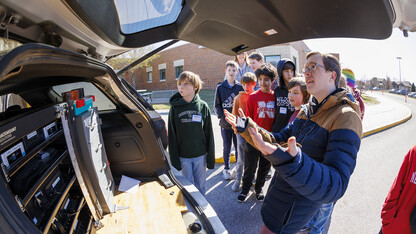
[233,172]
[242,197]
[226,174]
[260,196]
[236,186]
[232,153]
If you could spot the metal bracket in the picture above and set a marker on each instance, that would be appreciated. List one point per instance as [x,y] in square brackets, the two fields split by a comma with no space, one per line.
[61,110]
[116,208]
[98,225]
[5,172]
[6,20]
[19,202]
[164,179]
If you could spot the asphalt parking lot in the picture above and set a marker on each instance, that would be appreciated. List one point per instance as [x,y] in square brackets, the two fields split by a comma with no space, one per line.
[237,217]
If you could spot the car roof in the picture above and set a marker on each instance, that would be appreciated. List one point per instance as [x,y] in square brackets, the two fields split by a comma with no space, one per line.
[93,26]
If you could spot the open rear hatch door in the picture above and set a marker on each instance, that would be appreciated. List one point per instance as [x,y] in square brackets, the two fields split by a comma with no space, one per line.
[46,142]
[103,28]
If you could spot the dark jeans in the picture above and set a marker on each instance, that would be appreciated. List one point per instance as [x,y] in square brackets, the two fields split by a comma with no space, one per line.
[227,136]
[251,157]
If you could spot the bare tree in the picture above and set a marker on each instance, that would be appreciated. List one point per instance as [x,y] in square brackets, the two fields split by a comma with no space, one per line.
[125,59]
[360,84]
[364,80]
[388,83]
[373,82]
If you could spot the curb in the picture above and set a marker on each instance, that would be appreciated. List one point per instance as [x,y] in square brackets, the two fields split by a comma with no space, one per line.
[371,132]
[220,159]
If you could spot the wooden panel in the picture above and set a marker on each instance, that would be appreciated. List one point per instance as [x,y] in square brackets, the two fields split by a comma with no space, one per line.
[153,209]
[177,198]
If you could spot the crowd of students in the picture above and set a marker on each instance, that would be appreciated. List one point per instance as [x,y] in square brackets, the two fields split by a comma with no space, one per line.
[305,125]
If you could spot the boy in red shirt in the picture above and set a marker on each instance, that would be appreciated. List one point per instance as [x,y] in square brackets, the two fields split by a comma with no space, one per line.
[260,108]
[401,199]
[249,81]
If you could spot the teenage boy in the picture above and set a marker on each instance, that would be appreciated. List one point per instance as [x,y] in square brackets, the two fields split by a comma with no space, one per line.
[224,99]
[298,95]
[256,60]
[260,108]
[191,139]
[398,211]
[248,81]
[286,71]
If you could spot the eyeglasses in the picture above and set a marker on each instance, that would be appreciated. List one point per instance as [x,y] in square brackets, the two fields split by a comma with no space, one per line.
[312,68]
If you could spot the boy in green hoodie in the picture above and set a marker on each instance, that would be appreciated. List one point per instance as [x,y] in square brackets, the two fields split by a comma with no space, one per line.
[191,139]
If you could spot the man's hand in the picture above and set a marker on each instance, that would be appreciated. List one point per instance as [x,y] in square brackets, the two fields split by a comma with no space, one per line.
[291,146]
[241,113]
[267,148]
[232,119]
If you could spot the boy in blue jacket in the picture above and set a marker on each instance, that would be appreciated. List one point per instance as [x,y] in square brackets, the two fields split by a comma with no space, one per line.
[224,99]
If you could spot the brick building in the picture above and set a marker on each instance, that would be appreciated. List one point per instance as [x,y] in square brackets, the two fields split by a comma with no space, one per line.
[207,63]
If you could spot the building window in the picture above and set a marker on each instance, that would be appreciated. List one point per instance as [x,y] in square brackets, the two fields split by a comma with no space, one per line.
[295,61]
[149,71]
[149,77]
[178,64]
[270,58]
[162,73]
[178,71]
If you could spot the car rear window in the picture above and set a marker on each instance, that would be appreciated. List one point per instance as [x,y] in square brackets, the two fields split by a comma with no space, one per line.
[139,15]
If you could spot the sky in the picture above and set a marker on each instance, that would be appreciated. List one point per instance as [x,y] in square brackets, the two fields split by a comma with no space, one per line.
[370,58]
[374,58]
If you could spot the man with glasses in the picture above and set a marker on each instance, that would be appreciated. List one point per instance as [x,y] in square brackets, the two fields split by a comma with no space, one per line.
[317,172]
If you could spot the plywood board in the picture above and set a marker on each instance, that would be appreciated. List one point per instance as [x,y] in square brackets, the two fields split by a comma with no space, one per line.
[153,209]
